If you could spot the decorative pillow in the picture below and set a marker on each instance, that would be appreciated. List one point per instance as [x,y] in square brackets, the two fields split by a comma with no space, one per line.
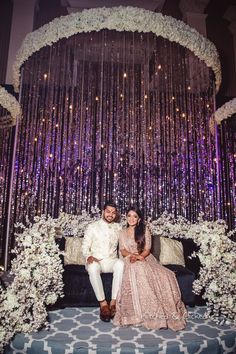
[73,251]
[171,252]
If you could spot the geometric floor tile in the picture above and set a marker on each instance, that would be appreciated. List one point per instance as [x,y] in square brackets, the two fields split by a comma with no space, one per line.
[80,331]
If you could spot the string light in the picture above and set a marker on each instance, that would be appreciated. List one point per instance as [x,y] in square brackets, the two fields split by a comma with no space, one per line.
[145,140]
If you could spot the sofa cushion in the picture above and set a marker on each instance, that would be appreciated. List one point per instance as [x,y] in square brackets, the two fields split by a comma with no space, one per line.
[73,251]
[171,251]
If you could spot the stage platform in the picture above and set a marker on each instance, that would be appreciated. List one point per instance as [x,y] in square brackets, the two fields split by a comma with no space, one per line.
[80,331]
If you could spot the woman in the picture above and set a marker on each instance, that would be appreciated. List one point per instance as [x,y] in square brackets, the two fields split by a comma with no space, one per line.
[149,294]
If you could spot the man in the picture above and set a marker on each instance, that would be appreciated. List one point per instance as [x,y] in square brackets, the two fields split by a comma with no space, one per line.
[100,251]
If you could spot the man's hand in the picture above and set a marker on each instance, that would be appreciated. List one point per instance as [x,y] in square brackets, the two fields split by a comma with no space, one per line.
[92,259]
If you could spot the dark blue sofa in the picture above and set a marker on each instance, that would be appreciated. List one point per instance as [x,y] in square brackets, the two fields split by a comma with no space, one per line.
[78,290]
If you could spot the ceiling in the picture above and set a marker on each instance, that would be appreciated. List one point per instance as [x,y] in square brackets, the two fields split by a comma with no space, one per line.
[78,5]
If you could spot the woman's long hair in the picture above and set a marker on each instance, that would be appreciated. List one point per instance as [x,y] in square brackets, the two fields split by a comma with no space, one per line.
[139,231]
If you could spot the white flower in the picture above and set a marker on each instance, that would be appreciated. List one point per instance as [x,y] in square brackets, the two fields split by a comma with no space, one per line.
[51,299]
[213,286]
[25,273]
[11,301]
[27,241]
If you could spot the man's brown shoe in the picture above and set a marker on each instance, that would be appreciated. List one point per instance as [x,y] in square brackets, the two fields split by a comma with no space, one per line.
[105,314]
[113,311]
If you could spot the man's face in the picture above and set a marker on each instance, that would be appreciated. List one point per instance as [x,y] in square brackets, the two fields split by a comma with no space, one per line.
[109,214]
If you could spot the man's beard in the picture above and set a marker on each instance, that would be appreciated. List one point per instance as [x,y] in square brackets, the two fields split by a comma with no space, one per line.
[110,220]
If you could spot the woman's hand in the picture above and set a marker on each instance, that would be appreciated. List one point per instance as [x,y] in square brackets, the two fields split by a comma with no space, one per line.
[140,258]
[133,258]
[136,257]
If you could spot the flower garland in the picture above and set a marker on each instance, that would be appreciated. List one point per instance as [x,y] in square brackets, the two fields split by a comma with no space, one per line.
[225,111]
[121,19]
[10,103]
[37,268]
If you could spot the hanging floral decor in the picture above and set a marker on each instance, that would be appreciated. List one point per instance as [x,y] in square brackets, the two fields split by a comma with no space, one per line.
[225,111]
[37,268]
[9,102]
[115,18]
[121,19]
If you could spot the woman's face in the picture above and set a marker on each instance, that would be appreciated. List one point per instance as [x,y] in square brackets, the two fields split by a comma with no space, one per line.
[132,218]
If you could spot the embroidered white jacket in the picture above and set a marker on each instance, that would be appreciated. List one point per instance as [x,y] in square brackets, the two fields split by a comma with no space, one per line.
[101,240]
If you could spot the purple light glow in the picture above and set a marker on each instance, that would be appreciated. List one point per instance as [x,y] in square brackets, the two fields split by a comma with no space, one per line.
[89,133]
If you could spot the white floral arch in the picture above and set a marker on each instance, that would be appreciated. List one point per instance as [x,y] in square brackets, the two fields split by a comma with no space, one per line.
[225,111]
[10,103]
[121,19]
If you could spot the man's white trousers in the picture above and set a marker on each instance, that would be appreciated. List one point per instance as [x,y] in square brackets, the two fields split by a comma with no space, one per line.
[107,265]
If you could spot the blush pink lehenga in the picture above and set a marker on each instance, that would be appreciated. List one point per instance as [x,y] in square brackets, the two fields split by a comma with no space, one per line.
[149,294]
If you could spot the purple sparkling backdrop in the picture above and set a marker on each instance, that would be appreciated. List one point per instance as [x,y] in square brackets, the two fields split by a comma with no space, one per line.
[116,115]
[122,116]
[6,144]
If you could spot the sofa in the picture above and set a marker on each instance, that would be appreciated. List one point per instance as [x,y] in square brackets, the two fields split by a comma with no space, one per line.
[78,290]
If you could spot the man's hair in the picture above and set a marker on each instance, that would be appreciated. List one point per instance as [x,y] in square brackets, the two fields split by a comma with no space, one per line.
[109,203]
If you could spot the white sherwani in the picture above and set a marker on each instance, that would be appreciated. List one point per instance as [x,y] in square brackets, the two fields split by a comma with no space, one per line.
[101,241]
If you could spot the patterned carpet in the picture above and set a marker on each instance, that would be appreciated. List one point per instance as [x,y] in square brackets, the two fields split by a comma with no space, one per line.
[80,331]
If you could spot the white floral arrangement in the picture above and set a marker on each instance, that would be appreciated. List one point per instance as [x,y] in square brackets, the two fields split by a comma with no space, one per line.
[74,225]
[37,272]
[115,18]
[225,111]
[217,254]
[121,19]
[10,103]
[37,268]
[37,280]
